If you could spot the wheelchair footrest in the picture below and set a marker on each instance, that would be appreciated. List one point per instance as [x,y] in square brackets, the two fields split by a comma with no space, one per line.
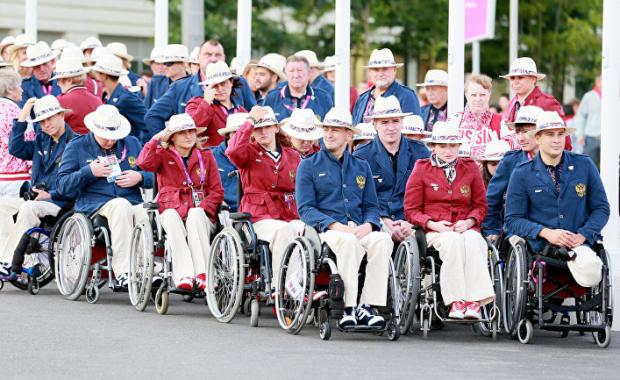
[362,329]
[575,327]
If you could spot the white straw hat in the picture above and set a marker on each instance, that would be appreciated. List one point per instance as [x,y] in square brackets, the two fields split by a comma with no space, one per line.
[38,54]
[311,57]
[90,43]
[46,107]
[236,67]
[110,65]
[60,44]
[106,122]
[233,123]
[21,41]
[97,53]
[119,49]
[435,78]
[6,41]
[68,68]
[444,133]
[495,150]
[177,123]
[526,115]
[367,131]
[303,125]
[465,150]
[382,58]
[156,53]
[414,125]
[72,52]
[524,66]
[387,107]
[337,117]
[193,57]
[549,120]
[216,72]
[174,53]
[273,62]
[330,63]
[268,119]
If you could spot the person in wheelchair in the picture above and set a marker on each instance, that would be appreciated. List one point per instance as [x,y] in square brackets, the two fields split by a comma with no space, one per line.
[190,193]
[496,190]
[558,198]
[45,151]
[445,196]
[268,170]
[391,157]
[99,170]
[336,196]
[228,171]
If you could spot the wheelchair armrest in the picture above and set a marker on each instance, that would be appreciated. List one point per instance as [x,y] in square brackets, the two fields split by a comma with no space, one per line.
[99,221]
[240,216]
[224,207]
[420,236]
[151,205]
[555,252]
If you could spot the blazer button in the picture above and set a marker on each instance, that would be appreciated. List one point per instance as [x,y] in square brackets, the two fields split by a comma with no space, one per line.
[275,172]
[561,216]
[449,191]
[346,200]
[273,185]
[344,185]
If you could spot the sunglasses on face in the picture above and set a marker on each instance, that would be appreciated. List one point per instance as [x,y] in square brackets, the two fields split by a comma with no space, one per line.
[170,64]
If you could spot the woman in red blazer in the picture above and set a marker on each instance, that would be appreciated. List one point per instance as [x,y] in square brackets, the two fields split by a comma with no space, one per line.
[268,170]
[211,110]
[190,190]
[445,195]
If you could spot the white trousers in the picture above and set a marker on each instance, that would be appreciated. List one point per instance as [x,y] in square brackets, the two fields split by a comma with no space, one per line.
[464,274]
[586,267]
[122,216]
[29,215]
[190,242]
[10,189]
[350,251]
[278,234]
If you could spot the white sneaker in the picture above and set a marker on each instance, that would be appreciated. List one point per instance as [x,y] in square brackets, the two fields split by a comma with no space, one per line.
[348,320]
[472,311]
[457,311]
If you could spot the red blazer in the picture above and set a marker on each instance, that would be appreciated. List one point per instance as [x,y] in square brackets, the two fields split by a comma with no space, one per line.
[174,192]
[545,101]
[81,102]
[208,118]
[428,196]
[268,187]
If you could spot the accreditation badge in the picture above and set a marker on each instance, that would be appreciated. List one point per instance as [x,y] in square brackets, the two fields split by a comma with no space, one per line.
[197,197]
[580,189]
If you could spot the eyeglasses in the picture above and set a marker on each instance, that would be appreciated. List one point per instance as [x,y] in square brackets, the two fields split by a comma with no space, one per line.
[169,64]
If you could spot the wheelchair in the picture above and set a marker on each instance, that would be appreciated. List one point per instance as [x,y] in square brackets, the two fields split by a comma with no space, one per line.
[308,291]
[148,248]
[239,270]
[537,285]
[419,294]
[36,247]
[84,258]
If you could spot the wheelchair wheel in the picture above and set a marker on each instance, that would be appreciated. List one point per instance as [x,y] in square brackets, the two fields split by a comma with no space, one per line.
[162,300]
[254,312]
[491,312]
[225,275]
[74,255]
[295,287]
[525,331]
[407,266]
[603,337]
[141,266]
[515,288]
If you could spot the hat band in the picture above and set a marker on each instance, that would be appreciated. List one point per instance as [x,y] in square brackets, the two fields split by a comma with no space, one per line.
[552,124]
[387,112]
[302,129]
[446,138]
[436,82]
[218,75]
[69,72]
[267,121]
[337,122]
[109,69]
[175,58]
[526,120]
[112,128]
[365,134]
[414,129]
[182,127]
[41,57]
[519,70]
[382,62]
[47,111]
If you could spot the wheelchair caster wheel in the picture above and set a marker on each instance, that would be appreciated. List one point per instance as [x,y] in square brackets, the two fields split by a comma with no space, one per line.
[33,286]
[189,298]
[565,321]
[254,312]
[1,284]
[525,331]
[602,338]
[325,330]
[393,331]
[162,299]
[425,327]
[494,330]
[92,294]
[246,308]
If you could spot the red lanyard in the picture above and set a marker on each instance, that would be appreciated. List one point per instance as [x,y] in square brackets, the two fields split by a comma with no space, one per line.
[187,176]
[291,108]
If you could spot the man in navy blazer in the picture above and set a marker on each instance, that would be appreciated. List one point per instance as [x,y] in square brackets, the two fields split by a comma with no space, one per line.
[559,198]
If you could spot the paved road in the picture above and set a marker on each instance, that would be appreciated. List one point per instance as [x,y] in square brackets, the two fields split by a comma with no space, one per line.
[45,336]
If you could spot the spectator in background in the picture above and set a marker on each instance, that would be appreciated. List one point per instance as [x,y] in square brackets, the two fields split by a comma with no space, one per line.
[436,86]
[17,55]
[267,73]
[329,71]
[588,122]
[503,102]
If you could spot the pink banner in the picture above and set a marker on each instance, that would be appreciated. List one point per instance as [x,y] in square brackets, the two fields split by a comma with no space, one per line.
[479,20]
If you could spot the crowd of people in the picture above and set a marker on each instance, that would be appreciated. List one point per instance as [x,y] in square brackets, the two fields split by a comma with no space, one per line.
[80,129]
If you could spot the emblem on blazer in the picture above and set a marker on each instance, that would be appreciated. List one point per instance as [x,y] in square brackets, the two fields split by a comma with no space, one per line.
[291,175]
[465,190]
[132,161]
[580,189]
[361,181]
[435,186]
[198,171]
